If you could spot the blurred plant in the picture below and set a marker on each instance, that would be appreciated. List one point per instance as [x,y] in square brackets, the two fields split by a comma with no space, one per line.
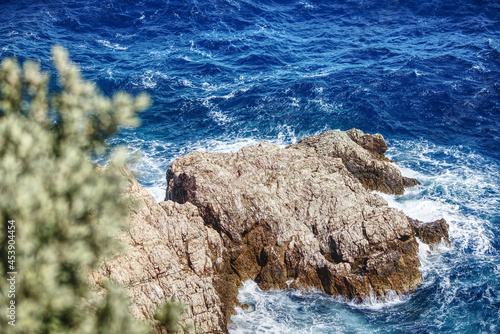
[65,211]
[168,316]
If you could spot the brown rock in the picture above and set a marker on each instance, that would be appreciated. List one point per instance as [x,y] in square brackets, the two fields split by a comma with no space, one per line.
[431,233]
[374,144]
[297,215]
[363,155]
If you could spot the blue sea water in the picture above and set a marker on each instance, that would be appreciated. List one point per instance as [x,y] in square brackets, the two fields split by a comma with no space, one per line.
[226,73]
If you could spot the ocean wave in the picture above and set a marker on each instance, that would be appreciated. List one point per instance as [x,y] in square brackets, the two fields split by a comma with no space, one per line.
[289,312]
[312,311]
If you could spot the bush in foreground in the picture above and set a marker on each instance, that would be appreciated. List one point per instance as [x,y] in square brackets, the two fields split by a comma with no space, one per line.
[58,214]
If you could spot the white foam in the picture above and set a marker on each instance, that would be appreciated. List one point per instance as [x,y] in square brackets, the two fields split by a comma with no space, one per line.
[258,318]
[111,46]
[430,259]
[234,88]
[186,58]
[219,116]
[295,101]
[307,5]
[150,79]
[458,185]
[149,161]
[332,107]
[419,208]
[373,302]
[417,73]
[292,311]
[285,137]
[319,74]
[194,49]
[494,44]
[160,54]
[424,251]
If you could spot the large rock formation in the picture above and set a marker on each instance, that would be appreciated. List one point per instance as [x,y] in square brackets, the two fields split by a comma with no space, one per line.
[302,216]
[296,215]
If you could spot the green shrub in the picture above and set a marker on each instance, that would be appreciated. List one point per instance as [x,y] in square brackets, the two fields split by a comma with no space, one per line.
[64,211]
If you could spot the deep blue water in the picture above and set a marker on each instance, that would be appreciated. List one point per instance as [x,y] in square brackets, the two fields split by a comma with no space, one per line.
[227,73]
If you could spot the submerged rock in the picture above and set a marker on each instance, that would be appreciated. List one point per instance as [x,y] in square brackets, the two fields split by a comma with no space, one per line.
[304,214]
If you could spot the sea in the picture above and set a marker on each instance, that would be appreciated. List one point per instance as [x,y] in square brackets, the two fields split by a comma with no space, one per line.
[224,74]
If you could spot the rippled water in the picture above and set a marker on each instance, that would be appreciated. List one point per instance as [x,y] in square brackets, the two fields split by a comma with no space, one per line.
[224,74]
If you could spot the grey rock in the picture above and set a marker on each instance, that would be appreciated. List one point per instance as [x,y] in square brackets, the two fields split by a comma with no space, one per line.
[363,155]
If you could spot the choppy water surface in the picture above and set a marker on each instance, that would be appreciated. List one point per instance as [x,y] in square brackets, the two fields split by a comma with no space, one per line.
[224,74]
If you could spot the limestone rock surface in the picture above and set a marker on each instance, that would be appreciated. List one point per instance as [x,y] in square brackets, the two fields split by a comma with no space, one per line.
[363,155]
[169,252]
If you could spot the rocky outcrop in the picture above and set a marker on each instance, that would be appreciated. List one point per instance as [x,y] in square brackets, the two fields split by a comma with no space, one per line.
[301,214]
[432,233]
[169,252]
[303,217]
[363,155]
